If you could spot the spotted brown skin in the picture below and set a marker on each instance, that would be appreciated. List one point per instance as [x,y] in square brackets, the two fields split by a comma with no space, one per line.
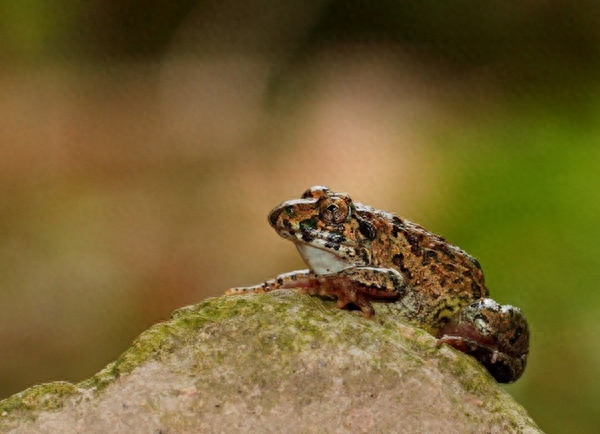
[494,334]
[357,254]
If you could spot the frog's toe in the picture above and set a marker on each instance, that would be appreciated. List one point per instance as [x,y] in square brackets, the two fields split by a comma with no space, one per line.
[365,306]
[357,300]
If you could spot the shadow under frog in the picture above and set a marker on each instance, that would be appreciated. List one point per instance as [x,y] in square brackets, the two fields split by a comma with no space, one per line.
[358,254]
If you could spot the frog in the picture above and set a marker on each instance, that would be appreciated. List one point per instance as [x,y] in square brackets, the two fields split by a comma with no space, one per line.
[358,255]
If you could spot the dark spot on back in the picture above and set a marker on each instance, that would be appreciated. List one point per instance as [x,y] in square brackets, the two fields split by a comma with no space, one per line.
[448,266]
[428,256]
[413,239]
[398,261]
[366,229]
[476,290]
[444,247]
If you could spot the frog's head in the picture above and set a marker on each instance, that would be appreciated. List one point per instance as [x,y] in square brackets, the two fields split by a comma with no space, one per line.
[326,229]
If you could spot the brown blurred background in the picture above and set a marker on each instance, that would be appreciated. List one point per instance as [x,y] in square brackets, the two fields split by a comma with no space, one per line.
[142,144]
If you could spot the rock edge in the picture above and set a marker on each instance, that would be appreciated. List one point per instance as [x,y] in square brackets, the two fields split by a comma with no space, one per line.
[271,363]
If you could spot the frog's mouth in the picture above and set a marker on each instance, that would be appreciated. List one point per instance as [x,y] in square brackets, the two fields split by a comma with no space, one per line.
[324,253]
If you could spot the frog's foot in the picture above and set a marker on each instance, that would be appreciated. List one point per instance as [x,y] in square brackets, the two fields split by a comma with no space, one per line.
[347,295]
[504,368]
[295,279]
[359,286]
[497,336]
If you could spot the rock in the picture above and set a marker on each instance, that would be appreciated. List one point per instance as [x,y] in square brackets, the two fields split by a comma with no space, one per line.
[276,362]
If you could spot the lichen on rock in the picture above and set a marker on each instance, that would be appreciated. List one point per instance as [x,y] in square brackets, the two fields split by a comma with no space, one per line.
[275,362]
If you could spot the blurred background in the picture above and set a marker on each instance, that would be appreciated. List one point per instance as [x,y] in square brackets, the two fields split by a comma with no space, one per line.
[142,144]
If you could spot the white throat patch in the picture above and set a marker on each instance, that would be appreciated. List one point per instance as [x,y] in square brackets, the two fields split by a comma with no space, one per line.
[321,261]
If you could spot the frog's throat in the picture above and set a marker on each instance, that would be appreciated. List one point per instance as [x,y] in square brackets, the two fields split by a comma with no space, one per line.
[323,260]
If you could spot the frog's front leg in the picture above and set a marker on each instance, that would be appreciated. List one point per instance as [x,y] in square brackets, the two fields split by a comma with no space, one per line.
[497,336]
[360,285]
[356,285]
[292,280]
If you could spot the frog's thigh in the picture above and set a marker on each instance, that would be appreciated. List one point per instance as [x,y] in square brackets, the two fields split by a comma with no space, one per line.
[496,335]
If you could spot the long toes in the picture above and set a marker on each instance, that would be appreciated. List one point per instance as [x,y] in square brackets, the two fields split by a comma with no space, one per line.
[368,311]
[366,307]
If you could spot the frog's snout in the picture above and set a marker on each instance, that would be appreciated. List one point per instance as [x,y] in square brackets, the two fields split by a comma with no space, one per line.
[274,215]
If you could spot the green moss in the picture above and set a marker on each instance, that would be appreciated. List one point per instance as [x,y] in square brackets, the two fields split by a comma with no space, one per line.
[47,396]
[163,337]
[154,342]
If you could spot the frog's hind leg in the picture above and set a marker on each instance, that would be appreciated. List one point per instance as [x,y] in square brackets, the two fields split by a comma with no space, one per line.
[302,279]
[496,335]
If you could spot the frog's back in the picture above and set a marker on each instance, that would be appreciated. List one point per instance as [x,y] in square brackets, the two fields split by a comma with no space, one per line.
[442,277]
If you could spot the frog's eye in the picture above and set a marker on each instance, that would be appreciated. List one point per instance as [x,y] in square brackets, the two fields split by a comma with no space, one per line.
[334,210]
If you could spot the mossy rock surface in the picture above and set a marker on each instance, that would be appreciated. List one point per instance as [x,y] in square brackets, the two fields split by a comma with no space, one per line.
[277,362]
